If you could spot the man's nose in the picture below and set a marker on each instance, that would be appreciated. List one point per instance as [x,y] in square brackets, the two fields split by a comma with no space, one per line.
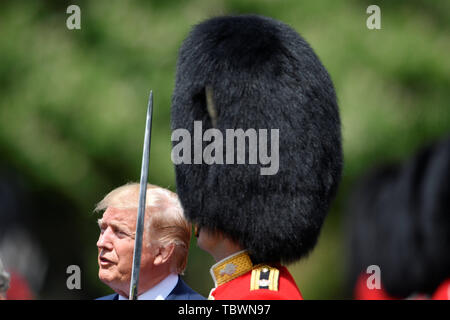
[104,240]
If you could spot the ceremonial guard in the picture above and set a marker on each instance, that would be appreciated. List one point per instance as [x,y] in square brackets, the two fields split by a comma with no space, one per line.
[399,223]
[258,178]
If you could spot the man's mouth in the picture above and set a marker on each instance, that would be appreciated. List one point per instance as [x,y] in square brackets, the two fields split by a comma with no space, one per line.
[105,262]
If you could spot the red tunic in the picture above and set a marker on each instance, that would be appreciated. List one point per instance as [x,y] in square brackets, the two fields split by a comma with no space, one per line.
[237,278]
[362,292]
[442,292]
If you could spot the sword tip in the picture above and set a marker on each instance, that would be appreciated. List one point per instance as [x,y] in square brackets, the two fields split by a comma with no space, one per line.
[150,102]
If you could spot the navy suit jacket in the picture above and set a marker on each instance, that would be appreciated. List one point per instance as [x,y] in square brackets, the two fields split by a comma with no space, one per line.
[181,292]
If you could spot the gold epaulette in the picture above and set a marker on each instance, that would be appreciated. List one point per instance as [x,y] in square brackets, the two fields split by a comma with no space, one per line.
[264,277]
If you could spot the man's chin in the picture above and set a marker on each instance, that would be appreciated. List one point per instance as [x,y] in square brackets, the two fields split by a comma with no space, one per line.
[111,280]
[106,276]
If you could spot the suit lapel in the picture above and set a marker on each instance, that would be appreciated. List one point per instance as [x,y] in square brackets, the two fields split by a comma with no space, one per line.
[178,292]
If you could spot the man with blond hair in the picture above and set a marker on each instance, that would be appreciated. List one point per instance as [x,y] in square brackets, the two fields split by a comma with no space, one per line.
[165,244]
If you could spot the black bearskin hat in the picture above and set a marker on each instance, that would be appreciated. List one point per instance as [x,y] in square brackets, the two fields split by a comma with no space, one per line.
[399,220]
[252,72]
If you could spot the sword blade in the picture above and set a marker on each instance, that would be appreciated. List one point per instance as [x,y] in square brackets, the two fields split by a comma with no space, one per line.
[142,201]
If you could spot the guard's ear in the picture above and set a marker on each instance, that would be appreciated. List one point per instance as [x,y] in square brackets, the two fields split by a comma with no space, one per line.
[163,254]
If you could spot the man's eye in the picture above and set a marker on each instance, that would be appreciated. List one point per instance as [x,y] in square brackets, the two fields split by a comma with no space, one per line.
[122,233]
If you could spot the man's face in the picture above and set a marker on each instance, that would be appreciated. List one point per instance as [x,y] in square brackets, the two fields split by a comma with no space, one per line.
[116,247]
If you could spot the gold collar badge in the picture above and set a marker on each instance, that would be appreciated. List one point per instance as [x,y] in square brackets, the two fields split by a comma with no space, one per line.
[231,267]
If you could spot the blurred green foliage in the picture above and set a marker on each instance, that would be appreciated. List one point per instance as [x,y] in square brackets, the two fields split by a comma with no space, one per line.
[73,102]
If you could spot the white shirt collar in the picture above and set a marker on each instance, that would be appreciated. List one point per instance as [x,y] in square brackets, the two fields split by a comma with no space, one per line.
[160,291]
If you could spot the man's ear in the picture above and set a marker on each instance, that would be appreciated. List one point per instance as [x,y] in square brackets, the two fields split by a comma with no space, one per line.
[164,253]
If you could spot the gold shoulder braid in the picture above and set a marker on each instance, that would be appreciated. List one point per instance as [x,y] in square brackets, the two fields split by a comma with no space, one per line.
[231,268]
[264,277]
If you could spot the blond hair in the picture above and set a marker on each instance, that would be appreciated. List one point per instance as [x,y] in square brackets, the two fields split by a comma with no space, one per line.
[164,219]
